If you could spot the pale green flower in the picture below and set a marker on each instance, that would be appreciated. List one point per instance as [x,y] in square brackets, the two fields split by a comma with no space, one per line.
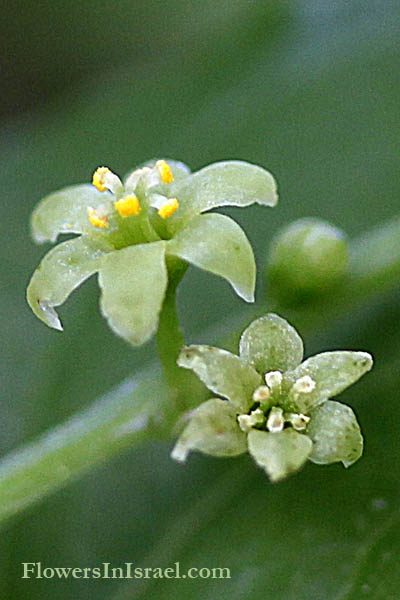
[131,233]
[272,404]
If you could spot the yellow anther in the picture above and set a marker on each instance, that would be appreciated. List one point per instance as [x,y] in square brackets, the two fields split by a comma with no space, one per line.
[165,171]
[96,219]
[168,208]
[128,206]
[99,178]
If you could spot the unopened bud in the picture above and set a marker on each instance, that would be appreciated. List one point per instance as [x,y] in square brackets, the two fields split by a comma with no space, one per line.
[307,259]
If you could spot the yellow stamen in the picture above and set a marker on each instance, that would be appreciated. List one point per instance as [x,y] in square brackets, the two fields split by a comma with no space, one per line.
[96,219]
[98,179]
[165,171]
[128,206]
[168,208]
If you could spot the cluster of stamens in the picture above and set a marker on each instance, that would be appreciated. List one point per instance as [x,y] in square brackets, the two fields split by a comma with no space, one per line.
[128,204]
[266,414]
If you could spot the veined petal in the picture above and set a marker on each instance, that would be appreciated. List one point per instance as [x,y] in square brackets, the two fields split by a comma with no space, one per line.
[271,344]
[62,270]
[229,183]
[335,433]
[213,429]
[133,283]
[217,244]
[66,211]
[332,372]
[279,454]
[223,373]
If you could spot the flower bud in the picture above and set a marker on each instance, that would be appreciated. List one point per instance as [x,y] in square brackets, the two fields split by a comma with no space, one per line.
[307,259]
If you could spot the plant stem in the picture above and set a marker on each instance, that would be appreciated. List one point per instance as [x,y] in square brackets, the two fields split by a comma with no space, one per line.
[139,409]
[121,419]
[169,336]
[183,386]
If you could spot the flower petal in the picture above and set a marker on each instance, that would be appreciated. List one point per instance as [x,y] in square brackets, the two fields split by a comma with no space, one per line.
[61,271]
[214,430]
[336,434]
[65,211]
[279,454]
[230,183]
[217,244]
[271,344]
[133,283]
[223,373]
[332,372]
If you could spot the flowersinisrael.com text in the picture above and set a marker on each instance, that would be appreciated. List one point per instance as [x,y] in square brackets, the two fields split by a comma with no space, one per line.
[36,570]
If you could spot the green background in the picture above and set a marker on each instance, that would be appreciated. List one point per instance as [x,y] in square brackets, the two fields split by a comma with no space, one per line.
[308,89]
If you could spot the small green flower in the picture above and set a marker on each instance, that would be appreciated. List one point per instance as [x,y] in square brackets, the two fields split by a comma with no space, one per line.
[129,230]
[275,406]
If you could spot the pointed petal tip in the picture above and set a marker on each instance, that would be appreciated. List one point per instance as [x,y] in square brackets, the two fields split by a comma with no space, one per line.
[275,199]
[45,312]
[179,453]
[187,355]
[369,359]
[364,360]
[247,296]
[134,338]
[49,316]
[271,198]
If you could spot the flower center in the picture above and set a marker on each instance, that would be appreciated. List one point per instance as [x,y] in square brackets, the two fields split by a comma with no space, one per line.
[268,411]
[126,201]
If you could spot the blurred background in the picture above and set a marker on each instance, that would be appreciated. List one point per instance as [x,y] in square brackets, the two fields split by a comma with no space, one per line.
[308,89]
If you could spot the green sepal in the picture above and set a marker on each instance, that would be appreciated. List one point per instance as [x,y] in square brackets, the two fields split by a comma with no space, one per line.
[271,344]
[217,244]
[223,373]
[65,211]
[61,270]
[279,454]
[335,433]
[133,282]
[228,183]
[213,429]
[332,373]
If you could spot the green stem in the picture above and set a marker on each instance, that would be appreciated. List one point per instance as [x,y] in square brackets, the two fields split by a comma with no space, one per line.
[182,384]
[137,410]
[121,419]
